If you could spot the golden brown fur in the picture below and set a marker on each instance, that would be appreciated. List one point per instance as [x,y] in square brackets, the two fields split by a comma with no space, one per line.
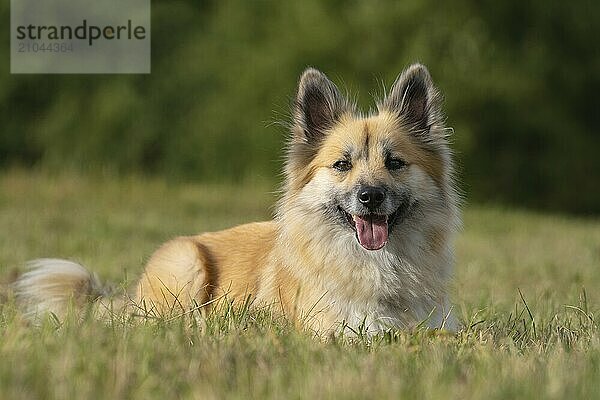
[313,262]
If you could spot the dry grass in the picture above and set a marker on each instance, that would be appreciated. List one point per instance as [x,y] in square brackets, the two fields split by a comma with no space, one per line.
[526,289]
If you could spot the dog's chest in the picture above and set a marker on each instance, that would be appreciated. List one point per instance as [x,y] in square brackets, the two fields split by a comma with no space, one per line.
[342,283]
[377,293]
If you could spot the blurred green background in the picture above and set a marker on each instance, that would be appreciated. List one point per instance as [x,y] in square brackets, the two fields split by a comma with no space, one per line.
[520,78]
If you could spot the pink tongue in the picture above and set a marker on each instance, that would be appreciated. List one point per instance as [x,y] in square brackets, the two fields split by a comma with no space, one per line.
[372,231]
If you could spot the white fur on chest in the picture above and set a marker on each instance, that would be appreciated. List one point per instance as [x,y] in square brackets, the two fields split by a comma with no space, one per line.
[397,286]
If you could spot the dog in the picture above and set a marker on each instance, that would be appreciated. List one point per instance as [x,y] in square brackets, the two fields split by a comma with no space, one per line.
[362,237]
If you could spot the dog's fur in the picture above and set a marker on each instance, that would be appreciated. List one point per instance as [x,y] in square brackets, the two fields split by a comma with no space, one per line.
[363,233]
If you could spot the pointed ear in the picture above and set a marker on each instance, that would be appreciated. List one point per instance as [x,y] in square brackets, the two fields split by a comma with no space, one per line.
[317,107]
[414,98]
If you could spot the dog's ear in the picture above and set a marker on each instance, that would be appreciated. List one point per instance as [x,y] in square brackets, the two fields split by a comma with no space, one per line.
[414,98]
[318,105]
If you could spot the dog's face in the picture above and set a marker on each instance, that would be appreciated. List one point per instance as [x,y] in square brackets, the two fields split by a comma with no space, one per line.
[368,175]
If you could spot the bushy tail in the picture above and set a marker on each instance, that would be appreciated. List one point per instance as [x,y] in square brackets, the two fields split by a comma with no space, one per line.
[54,286]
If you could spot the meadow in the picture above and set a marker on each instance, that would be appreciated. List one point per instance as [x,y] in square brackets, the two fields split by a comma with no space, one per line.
[525,290]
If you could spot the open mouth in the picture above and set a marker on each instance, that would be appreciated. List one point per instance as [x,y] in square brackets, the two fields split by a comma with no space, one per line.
[372,230]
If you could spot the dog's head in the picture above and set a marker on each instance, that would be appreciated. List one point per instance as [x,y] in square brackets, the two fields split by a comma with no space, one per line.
[368,174]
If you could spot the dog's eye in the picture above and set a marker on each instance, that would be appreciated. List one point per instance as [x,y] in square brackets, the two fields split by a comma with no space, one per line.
[394,164]
[342,165]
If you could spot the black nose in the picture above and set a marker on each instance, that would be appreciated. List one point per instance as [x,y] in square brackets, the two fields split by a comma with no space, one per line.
[371,197]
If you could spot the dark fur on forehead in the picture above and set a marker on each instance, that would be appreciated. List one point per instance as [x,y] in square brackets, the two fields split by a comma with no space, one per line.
[417,103]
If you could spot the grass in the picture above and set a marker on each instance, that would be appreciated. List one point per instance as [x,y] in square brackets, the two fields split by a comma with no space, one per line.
[526,289]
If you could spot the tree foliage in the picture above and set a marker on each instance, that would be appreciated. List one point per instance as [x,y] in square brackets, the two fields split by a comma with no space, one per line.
[520,81]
